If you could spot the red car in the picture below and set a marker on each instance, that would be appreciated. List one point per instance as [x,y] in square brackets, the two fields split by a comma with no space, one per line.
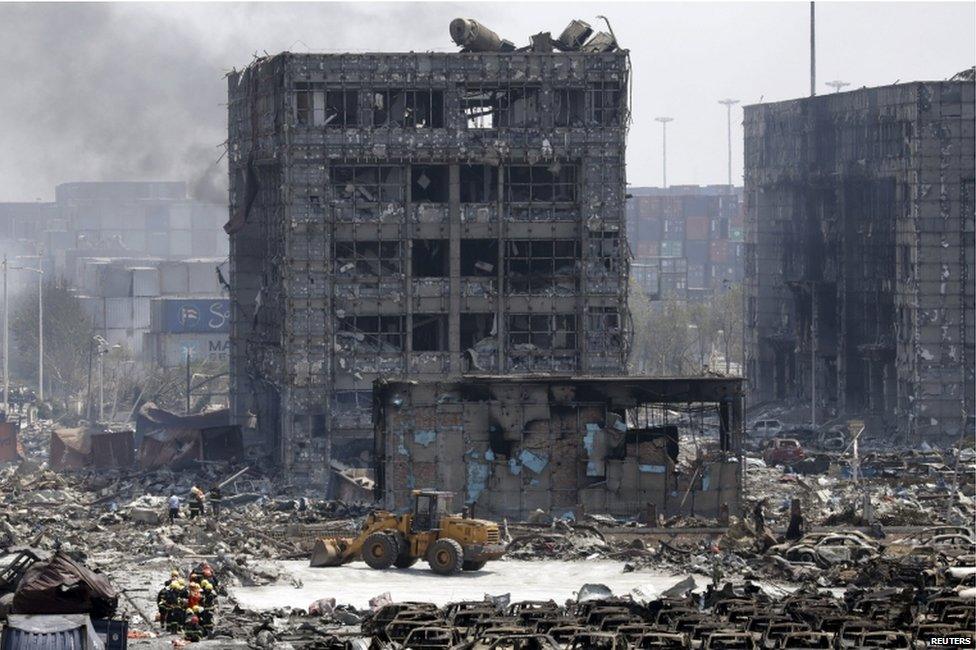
[783,451]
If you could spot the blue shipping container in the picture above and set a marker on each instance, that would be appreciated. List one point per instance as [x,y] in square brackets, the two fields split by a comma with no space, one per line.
[206,316]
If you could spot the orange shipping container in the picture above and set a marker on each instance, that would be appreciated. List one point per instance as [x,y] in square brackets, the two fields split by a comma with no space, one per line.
[696,228]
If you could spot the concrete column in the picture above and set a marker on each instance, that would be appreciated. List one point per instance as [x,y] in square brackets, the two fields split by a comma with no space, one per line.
[840,302]
[500,303]
[737,430]
[407,253]
[454,315]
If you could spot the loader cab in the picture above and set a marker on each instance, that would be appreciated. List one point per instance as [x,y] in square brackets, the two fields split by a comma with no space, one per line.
[428,508]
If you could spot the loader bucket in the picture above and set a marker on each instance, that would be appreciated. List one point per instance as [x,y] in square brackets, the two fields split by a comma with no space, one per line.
[330,552]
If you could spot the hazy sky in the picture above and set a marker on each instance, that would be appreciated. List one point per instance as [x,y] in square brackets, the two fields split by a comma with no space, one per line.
[136,91]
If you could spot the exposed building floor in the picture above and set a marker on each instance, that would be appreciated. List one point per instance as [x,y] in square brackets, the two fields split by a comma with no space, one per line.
[354,584]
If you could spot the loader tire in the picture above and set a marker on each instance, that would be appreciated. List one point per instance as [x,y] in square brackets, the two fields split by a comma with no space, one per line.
[380,550]
[471,565]
[404,560]
[446,557]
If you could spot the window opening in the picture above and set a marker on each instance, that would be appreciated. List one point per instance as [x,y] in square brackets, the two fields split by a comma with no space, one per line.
[479,257]
[429,183]
[542,332]
[430,258]
[429,333]
[536,266]
[408,108]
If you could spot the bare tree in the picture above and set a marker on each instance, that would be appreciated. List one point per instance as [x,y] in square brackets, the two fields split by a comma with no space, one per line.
[727,323]
[67,332]
[674,337]
[661,338]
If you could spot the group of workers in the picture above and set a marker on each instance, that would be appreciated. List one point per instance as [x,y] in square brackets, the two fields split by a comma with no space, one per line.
[198,506]
[187,607]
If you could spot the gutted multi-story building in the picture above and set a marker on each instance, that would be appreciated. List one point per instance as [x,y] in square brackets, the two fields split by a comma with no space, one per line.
[859,258]
[419,215]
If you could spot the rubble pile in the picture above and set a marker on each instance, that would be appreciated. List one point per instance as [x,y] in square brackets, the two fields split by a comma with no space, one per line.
[562,542]
[126,513]
[116,523]
[842,557]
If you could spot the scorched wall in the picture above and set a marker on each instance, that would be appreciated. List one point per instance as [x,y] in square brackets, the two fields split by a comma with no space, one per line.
[859,258]
[514,445]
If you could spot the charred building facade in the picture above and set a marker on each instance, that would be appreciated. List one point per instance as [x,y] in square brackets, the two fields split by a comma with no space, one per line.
[859,257]
[513,445]
[419,216]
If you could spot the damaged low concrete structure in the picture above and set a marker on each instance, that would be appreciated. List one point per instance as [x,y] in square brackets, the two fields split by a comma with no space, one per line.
[560,444]
[91,448]
[419,215]
[161,440]
[860,254]
[176,441]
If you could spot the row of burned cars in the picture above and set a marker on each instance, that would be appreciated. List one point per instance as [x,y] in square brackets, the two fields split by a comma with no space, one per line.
[953,545]
[735,617]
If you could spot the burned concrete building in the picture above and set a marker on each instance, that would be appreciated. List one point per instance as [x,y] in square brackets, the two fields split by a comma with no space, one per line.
[419,215]
[563,445]
[859,258]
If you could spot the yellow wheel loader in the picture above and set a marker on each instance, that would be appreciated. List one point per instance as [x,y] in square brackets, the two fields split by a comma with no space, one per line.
[450,543]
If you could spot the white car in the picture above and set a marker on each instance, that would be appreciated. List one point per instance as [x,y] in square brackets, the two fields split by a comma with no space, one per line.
[832,548]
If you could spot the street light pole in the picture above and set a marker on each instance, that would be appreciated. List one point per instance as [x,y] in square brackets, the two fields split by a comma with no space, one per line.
[813,50]
[664,136]
[837,85]
[729,103]
[188,380]
[6,347]
[103,349]
[40,332]
[88,395]
[101,386]
[40,321]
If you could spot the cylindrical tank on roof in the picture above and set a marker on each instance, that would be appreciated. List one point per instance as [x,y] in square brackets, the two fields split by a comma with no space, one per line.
[574,36]
[473,36]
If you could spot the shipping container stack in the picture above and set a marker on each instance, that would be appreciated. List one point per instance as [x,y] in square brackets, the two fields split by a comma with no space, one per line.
[158,309]
[148,218]
[141,257]
[114,219]
[686,240]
